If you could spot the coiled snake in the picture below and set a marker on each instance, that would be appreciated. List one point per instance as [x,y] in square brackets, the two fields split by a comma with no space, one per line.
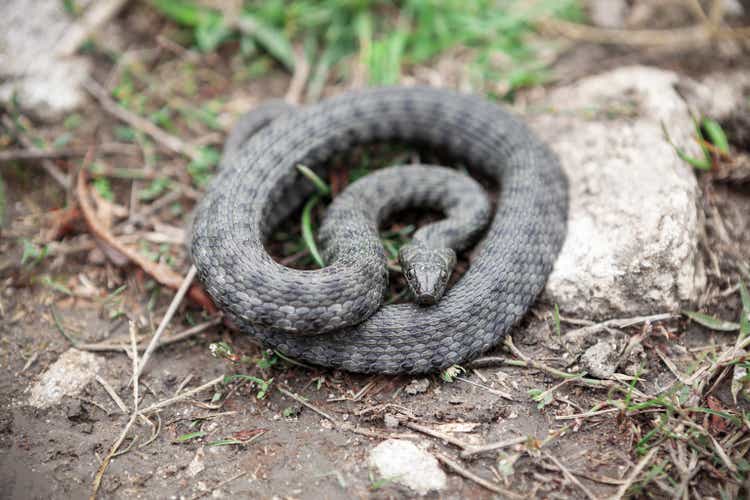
[333,316]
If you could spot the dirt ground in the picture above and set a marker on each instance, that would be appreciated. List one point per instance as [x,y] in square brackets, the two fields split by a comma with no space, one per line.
[295,452]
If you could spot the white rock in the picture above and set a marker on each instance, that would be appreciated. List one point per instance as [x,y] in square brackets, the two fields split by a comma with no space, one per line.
[66,377]
[37,38]
[403,462]
[632,244]
[718,94]
[601,359]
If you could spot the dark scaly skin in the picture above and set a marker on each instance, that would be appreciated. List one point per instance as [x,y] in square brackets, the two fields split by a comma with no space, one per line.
[427,262]
[260,185]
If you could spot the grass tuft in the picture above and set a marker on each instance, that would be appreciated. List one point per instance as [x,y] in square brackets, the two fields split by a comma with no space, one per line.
[382,37]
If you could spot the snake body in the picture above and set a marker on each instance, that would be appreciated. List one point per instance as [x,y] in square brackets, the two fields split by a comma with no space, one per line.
[332,316]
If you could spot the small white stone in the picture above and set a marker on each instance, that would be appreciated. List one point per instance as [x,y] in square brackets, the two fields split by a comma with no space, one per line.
[600,360]
[403,462]
[417,386]
[390,421]
[66,377]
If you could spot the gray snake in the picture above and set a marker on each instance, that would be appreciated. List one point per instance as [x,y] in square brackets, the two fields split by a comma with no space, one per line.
[332,316]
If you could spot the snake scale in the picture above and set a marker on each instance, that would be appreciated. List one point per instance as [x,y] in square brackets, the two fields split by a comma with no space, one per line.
[333,316]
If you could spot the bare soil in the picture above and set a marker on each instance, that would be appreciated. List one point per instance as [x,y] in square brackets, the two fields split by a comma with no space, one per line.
[55,452]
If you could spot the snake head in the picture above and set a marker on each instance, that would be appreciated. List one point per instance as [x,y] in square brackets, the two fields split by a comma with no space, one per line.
[427,271]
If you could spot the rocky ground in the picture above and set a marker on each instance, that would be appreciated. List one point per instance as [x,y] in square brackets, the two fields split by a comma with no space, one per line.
[612,386]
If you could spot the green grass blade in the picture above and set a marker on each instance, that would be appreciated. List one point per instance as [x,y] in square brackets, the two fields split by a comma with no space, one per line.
[715,135]
[307,232]
[697,163]
[711,322]
[745,297]
[745,315]
[270,38]
[185,13]
[323,188]
[225,442]
[190,436]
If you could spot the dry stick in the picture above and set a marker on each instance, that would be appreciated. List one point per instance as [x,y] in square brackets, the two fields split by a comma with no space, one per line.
[220,485]
[473,450]
[112,394]
[569,475]
[436,434]
[34,153]
[457,468]
[136,372]
[168,140]
[96,15]
[701,377]
[186,334]
[723,455]
[105,462]
[168,402]
[118,442]
[165,320]
[306,403]
[191,332]
[38,154]
[634,474]
[160,272]
[497,392]
[693,36]
[587,414]
[575,378]
[299,78]
[61,178]
[599,479]
[616,323]
[155,434]
[670,365]
[30,361]
[697,9]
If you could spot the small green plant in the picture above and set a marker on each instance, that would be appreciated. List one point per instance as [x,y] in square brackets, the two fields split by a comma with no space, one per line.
[267,360]
[32,254]
[104,188]
[263,385]
[184,438]
[154,190]
[542,398]
[226,351]
[290,411]
[713,142]
[201,167]
[380,482]
[450,373]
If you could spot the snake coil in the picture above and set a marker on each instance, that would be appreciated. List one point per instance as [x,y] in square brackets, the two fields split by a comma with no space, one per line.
[329,311]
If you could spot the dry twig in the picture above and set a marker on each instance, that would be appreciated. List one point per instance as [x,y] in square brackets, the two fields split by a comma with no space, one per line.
[634,474]
[170,141]
[570,477]
[460,470]
[160,272]
[164,322]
